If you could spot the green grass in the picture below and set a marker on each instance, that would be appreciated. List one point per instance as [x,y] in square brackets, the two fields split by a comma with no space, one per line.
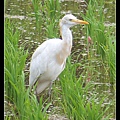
[75,97]
[47,12]
[110,51]
[52,19]
[95,17]
[78,98]
[37,5]
[102,40]
[25,105]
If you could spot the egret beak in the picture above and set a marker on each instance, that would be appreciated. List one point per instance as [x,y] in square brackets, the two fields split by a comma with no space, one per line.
[79,21]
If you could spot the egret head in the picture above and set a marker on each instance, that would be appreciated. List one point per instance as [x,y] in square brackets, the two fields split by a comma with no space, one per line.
[69,20]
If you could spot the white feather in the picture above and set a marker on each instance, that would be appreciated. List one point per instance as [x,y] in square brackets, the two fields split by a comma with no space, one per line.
[49,59]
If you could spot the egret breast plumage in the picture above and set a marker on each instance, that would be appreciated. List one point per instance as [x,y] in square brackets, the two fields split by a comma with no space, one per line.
[49,59]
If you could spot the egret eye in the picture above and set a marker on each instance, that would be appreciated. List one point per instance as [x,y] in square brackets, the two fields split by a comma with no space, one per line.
[70,19]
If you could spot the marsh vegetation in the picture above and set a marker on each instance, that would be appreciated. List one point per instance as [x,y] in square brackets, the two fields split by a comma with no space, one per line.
[86,88]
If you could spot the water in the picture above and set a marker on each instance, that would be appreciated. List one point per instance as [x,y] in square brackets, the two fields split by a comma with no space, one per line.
[21,12]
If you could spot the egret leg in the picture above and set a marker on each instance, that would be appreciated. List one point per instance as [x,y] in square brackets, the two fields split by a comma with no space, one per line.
[50,87]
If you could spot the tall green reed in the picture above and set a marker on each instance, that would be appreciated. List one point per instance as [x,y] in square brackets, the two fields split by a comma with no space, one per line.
[39,11]
[25,104]
[102,40]
[52,17]
[14,58]
[47,14]
[110,51]
[79,101]
[96,29]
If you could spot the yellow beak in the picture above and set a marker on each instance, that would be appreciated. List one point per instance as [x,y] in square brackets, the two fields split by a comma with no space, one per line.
[79,21]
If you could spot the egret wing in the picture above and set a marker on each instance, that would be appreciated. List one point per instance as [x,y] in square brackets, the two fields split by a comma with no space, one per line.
[38,63]
[42,58]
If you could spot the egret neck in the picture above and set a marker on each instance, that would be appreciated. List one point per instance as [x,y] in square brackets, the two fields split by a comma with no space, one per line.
[66,38]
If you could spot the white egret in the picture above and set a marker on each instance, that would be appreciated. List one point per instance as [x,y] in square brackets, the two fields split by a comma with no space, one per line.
[49,59]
